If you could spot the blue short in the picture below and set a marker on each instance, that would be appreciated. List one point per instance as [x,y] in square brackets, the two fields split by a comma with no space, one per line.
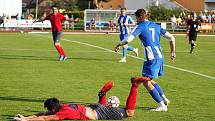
[123,36]
[153,68]
[56,36]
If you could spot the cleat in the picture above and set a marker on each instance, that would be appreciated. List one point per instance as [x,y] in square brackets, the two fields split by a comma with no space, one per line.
[160,108]
[105,88]
[123,60]
[140,79]
[61,57]
[65,58]
[166,101]
[136,51]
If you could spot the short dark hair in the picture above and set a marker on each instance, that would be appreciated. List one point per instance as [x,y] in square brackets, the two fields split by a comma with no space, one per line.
[52,104]
[123,9]
[140,12]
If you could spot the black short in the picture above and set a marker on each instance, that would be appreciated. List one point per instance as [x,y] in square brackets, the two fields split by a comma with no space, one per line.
[108,113]
[56,36]
[192,36]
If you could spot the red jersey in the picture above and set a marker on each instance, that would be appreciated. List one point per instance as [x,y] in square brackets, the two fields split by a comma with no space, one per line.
[56,20]
[72,112]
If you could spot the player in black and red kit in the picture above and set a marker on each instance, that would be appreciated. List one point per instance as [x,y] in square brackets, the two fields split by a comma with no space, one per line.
[97,111]
[56,19]
[193,26]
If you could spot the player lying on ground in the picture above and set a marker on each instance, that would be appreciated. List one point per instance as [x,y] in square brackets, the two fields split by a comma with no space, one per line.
[149,34]
[98,111]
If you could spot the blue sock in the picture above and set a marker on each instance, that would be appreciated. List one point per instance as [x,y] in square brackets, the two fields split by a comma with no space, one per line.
[158,88]
[130,48]
[124,52]
[155,95]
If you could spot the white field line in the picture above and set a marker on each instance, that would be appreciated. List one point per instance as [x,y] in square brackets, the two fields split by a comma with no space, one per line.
[173,67]
[108,50]
[101,33]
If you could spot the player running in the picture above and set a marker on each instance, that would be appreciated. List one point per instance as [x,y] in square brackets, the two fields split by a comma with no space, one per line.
[98,111]
[124,21]
[149,34]
[193,26]
[56,19]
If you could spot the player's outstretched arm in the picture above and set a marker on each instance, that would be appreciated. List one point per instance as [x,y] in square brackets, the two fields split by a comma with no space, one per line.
[171,40]
[36,118]
[124,42]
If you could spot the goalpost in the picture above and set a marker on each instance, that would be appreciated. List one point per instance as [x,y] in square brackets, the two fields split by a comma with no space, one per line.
[96,20]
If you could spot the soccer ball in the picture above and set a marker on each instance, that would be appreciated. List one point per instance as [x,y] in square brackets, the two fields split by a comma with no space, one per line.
[113,101]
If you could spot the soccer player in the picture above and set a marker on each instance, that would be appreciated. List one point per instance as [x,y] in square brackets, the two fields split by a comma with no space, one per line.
[56,19]
[192,30]
[124,22]
[98,111]
[149,34]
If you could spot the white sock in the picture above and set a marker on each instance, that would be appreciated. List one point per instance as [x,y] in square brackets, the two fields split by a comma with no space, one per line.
[162,104]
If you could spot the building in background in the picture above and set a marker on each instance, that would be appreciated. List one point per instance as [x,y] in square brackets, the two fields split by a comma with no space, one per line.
[11,7]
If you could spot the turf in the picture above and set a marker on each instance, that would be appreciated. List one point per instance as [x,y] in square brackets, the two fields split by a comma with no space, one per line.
[30,73]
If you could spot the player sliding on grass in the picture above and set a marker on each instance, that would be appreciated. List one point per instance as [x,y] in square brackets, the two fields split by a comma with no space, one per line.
[149,34]
[56,18]
[98,111]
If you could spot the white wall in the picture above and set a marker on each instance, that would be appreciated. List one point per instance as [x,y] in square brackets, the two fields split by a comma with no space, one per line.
[137,4]
[10,7]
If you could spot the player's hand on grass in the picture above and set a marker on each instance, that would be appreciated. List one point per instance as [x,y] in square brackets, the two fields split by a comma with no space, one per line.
[19,117]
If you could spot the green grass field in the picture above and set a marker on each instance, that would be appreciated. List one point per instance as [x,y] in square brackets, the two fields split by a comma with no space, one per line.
[30,73]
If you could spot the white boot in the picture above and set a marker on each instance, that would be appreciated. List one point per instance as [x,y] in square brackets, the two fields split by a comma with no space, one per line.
[161,107]
[123,60]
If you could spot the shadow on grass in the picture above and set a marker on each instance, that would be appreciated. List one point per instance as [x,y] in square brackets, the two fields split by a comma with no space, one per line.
[8,117]
[31,57]
[26,99]
[27,57]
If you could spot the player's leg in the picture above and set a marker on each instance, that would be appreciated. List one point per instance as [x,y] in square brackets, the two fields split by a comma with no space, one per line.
[192,41]
[131,100]
[153,69]
[56,38]
[155,95]
[103,91]
[160,91]
[124,50]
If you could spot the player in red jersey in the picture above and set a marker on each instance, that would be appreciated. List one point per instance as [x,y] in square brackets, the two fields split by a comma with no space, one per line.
[98,111]
[56,18]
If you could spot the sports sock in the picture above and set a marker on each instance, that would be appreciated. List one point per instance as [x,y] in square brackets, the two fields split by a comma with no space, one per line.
[158,88]
[130,48]
[124,52]
[155,95]
[58,49]
[62,51]
[102,99]
[131,100]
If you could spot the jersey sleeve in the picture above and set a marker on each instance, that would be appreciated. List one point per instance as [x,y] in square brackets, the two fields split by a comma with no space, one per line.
[162,31]
[136,31]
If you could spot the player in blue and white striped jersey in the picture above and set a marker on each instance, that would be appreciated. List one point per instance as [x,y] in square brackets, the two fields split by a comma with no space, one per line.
[124,22]
[149,34]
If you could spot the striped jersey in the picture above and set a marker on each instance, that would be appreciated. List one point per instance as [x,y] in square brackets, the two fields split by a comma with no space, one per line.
[122,22]
[149,34]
